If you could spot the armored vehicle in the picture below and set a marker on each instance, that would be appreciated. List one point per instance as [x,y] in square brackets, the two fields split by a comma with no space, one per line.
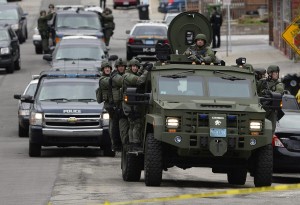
[199,115]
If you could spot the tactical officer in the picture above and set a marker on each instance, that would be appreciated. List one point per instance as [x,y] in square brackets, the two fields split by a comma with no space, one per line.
[216,21]
[200,51]
[120,119]
[135,76]
[270,84]
[107,94]
[51,23]
[44,29]
[108,24]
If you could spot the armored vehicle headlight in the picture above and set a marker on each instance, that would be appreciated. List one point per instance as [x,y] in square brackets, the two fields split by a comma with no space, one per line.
[255,125]
[36,118]
[172,122]
[5,50]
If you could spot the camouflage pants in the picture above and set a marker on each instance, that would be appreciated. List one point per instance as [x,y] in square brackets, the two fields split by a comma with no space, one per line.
[124,128]
[107,35]
[135,130]
[114,129]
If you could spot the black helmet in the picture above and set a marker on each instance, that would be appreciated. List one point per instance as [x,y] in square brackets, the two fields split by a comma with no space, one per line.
[273,68]
[120,62]
[104,64]
[134,62]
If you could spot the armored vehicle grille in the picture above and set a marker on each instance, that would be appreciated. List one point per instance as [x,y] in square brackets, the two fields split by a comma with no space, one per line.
[72,121]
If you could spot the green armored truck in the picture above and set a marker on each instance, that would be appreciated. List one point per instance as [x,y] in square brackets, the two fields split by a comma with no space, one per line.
[199,114]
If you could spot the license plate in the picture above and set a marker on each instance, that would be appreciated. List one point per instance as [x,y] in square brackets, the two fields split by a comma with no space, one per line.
[148,49]
[125,3]
[149,42]
[217,132]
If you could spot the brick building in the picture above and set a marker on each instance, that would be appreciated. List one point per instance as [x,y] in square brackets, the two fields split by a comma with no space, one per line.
[281,15]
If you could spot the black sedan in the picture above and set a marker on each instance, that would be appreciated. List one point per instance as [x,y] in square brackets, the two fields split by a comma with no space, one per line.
[9,49]
[14,15]
[286,143]
[143,38]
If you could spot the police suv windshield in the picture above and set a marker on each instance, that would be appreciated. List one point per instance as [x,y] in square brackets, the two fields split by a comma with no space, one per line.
[4,36]
[176,85]
[9,14]
[78,21]
[57,90]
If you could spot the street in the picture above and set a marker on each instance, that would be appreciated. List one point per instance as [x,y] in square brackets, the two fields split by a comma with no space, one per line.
[80,176]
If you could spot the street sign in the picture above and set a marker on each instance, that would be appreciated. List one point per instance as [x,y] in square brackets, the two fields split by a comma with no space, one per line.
[292,35]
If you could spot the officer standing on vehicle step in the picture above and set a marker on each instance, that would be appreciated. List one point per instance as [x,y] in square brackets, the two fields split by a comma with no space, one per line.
[108,25]
[200,51]
[270,84]
[136,77]
[105,94]
[120,119]
[44,29]
[216,21]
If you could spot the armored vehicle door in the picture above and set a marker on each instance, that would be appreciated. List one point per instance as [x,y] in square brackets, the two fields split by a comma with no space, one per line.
[184,28]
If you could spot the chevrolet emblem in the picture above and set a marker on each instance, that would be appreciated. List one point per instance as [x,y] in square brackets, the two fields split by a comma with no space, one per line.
[72,120]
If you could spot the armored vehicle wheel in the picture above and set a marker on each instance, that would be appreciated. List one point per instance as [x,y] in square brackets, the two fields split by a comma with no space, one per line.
[34,150]
[131,166]
[153,161]
[263,166]
[23,132]
[237,176]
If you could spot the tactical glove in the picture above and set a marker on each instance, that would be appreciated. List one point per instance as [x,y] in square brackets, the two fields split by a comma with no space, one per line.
[148,66]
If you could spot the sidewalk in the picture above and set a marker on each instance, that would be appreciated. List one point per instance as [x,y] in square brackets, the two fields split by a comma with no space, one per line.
[255,48]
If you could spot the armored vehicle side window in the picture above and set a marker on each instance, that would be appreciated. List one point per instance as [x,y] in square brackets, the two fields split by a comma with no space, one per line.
[68,90]
[185,85]
[219,87]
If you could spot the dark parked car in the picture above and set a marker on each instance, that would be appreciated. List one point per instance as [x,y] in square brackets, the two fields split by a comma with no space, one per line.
[78,51]
[24,108]
[9,49]
[125,3]
[143,38]
[13,15]
[286,143]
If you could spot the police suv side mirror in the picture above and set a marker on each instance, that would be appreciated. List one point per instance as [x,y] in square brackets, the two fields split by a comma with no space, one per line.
[17,96]
[27,98]
[127,31]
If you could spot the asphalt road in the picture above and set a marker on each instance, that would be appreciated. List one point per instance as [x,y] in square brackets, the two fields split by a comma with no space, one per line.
[84,176]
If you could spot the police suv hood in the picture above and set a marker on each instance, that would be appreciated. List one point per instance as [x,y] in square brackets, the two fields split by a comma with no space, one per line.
[209,105]
[89,65]
[4,44]
[81,32]
[8,21]
[69,107]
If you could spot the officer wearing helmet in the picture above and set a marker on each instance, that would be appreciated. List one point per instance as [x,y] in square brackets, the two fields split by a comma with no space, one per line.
[119,121]
[200,51]
[135,76]
[270,84]
[105,95]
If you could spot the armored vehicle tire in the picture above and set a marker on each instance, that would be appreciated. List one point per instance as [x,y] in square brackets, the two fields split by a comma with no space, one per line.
[153,161]
[263,166]
[131,165]
[23,132]
[34,150]
[38,50]
[237,176]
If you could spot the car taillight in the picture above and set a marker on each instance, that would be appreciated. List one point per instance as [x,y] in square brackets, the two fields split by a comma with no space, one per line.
[131,40]
[166,41]
[276,142]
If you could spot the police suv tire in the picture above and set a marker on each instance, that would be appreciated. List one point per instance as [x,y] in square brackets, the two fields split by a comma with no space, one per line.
[108,152]
[11,68]
[34,149]
[263,169]
[23,132]
[18,64]
[237,176]
[38,50]
[131,165]
[153,161]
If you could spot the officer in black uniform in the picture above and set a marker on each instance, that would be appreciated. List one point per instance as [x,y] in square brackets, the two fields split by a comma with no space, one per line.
[216,21]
